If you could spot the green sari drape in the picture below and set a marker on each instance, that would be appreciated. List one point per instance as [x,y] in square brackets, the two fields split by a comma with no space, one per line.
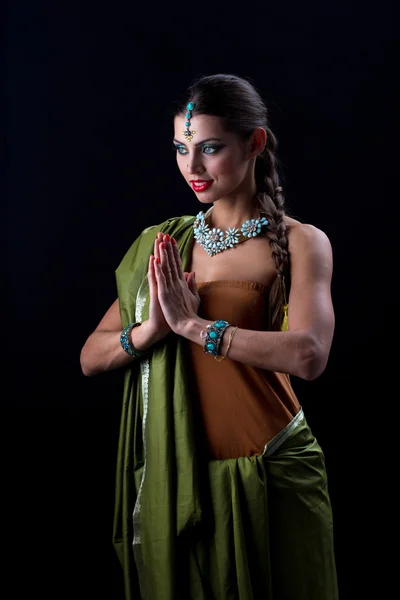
[254,528]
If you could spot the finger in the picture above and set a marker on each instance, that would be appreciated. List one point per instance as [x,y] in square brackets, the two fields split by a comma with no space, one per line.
[175,275]
[191,280]
[165,266]
[159,275]
[150,273]
[157,241]
[178,260]
[193,285]
[152,278]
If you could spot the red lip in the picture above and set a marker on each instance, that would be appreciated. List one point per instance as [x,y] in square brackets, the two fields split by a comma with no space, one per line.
[199,185]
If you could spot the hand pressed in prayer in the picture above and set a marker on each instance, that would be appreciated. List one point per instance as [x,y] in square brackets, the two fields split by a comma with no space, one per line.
[177,291]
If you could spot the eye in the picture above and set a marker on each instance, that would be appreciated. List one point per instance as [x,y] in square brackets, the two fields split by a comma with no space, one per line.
[180,149]
[213,149]
[209,150]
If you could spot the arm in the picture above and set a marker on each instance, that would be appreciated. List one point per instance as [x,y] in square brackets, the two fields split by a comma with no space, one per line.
[102,350]
[303,350]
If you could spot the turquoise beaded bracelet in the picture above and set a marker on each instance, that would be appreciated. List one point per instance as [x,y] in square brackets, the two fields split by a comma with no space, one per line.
[212,337]
[127,344]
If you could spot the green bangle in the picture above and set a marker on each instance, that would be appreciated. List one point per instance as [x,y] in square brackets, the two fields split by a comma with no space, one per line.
[127,344]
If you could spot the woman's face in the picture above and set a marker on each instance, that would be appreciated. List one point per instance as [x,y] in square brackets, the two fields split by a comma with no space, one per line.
[212,155]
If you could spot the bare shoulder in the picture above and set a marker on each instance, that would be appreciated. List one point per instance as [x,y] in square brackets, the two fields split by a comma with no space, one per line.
[303,237]
[310,251]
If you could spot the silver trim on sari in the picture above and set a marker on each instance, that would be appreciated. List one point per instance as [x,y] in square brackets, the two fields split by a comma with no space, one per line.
[145,373]
[283,435]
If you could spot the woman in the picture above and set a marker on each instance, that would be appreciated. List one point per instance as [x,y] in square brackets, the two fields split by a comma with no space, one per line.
[221,487]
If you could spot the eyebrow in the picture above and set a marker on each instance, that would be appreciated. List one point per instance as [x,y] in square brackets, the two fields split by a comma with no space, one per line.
[199,143]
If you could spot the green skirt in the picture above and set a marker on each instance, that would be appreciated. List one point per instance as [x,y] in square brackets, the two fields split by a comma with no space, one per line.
[265,534]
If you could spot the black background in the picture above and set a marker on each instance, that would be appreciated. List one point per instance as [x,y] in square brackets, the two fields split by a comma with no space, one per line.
[90,93]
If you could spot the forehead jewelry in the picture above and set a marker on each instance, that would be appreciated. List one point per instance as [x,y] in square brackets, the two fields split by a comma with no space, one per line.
[187,133]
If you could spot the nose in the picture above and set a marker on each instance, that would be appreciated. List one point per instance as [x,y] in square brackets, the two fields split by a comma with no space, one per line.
[194,165]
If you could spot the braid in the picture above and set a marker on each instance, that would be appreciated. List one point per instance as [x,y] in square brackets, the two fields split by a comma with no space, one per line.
[272,202]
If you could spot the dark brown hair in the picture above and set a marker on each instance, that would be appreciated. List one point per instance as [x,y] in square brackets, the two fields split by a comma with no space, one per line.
[242,109]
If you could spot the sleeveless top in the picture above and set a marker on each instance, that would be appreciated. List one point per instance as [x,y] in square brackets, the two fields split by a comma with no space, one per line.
[238,408]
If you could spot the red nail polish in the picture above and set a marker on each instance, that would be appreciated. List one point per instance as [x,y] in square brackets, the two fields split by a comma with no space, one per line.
[167,237]
[163,245]
[173,240]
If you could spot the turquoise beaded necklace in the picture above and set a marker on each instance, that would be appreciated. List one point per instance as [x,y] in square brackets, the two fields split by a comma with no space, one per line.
[215,240]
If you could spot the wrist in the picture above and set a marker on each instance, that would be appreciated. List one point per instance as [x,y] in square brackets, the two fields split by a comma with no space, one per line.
[192,328]
[143,337]
[196,325]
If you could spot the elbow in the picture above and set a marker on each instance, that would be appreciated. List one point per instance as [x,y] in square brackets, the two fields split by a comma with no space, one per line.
[87,370]
[312,359]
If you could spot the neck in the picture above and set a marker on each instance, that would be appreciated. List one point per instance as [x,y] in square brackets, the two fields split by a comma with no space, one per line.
[224,215]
